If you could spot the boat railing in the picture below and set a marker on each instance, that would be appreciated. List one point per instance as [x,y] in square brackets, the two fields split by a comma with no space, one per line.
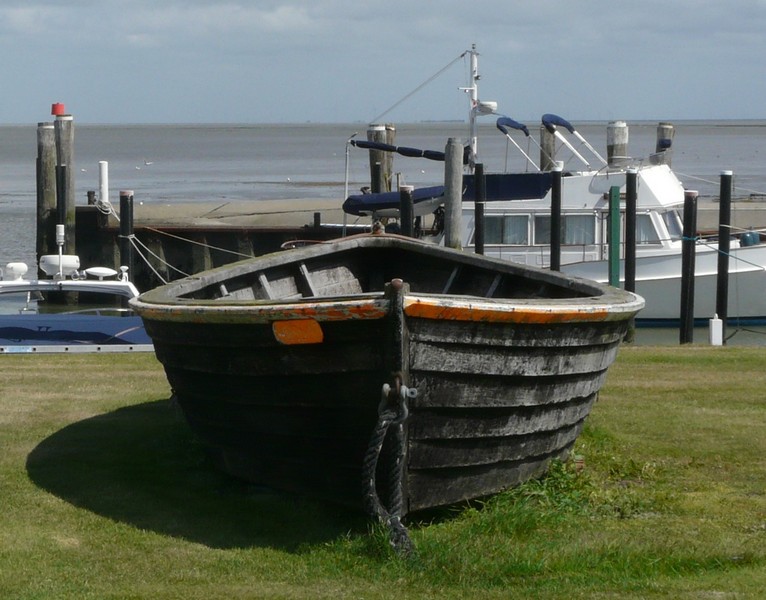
[99,312]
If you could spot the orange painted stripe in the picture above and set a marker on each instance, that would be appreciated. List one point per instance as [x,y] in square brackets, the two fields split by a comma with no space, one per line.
[215,312]
[428,308]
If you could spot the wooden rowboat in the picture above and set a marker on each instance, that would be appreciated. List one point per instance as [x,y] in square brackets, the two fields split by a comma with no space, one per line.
[293,367]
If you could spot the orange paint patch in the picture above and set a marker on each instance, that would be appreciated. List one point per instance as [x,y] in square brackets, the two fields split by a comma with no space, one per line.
[299,331]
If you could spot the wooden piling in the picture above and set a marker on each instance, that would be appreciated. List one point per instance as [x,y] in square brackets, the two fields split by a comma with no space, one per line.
[406,210]
[453,193]
[381,179]
[665,132]
[479,203]
[62,184]
[126,229]
[688,267]
[547,149]
[613,232]
[201,259]
[724,246]
[63,128]
[616,142]
[377,181]
[46,189]
[631,200]
[555,253]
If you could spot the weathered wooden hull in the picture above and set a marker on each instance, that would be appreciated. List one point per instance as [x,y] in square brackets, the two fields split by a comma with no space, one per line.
[502,386]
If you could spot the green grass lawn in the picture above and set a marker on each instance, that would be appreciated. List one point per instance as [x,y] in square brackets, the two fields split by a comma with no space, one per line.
[106,494]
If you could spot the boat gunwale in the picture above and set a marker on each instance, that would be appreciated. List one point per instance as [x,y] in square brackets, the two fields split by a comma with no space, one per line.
[428,306]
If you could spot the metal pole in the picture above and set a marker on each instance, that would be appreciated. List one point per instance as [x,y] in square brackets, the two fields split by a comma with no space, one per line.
[345,182]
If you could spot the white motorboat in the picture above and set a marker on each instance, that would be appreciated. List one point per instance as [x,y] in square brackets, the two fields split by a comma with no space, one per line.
[517,218]
[36,316]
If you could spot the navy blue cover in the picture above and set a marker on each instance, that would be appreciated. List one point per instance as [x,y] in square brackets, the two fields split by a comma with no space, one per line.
[505,123]
[499,186]
[403,150]
[360,204]
[509,186]
[407,151]
[550,121]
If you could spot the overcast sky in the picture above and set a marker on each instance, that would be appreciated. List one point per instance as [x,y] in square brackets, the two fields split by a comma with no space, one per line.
[281,61]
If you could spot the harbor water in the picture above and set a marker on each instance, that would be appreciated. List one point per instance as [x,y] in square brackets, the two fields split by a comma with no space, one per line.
[166,164]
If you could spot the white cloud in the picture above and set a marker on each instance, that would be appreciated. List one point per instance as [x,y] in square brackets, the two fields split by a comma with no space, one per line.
[341,59]
[27,20]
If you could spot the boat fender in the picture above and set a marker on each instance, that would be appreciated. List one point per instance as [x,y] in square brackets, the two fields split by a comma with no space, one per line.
[749,238]
[392,410]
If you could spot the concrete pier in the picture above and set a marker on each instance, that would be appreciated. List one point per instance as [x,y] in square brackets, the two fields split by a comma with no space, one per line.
[188,238]
[745,214]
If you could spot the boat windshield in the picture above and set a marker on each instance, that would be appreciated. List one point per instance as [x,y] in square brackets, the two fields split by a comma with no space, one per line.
[674,223]
[14,303]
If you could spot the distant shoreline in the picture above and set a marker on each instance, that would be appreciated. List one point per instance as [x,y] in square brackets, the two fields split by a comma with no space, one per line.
[758,122]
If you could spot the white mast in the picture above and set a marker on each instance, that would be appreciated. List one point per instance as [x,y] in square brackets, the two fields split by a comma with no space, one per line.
[478,108]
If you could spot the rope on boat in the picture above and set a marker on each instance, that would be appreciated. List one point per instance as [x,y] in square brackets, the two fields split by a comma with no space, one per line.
[392,410]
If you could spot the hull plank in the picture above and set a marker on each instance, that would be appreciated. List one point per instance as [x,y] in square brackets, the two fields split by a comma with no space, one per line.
[449,486]
[495,423]
[435,454]
[451,390]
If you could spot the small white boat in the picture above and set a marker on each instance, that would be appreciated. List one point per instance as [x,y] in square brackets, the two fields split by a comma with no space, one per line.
[30,321]
[518,220]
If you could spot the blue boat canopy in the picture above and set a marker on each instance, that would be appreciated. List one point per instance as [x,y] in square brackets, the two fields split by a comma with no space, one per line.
[406,150]
[365,204]
[499,186]
[506,123]
[550,121]
[509,186]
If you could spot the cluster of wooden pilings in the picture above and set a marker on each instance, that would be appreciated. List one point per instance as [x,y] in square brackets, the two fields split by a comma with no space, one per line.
[162,247]
[171,246]
[55,182]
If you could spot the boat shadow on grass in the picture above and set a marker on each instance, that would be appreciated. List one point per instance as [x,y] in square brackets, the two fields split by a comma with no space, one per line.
[141,465]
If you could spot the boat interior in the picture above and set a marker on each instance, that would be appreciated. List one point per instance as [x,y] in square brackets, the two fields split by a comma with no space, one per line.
[366,270]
